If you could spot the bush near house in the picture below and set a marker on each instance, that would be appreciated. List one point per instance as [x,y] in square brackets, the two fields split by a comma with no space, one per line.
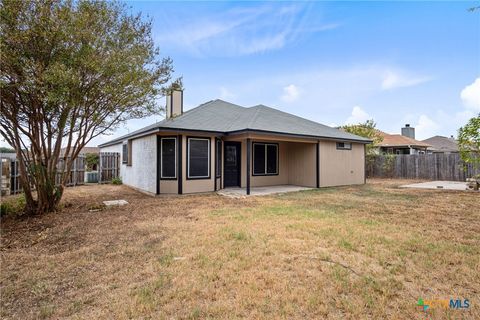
[117,181]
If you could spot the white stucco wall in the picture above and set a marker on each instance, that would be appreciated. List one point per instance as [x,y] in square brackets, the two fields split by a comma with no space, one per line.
[143,172]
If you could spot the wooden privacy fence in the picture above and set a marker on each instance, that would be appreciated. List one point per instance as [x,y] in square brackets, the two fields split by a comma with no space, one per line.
[437,166]
[76,176]
[10,174]
[109,166]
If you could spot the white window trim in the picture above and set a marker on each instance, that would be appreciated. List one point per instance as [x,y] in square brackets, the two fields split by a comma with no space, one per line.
[161,158]
[190,162]
[253,162]
[344,148]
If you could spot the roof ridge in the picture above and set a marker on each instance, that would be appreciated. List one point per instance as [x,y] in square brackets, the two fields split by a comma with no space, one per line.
[200,106]
[254,117]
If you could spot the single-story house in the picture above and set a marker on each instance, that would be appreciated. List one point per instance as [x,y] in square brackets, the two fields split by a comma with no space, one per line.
[403,143]
[442,144]
[219,145]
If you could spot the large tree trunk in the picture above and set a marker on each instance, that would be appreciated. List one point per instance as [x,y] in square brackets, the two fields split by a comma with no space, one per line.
[36,173]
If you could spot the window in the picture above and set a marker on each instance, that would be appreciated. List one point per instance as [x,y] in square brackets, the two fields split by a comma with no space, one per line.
[219,158]
[265,159]
[125,153]
[344,146]
[198,158]
[168,159]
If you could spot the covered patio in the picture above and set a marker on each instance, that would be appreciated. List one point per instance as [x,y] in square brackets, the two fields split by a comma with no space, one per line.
[237,192]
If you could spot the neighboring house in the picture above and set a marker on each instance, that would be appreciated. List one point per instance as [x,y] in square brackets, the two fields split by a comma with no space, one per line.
[404,143]
[442,144]
[85,150]
[219,144]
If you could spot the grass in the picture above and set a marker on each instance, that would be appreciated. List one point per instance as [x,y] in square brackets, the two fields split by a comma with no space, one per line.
[366,251]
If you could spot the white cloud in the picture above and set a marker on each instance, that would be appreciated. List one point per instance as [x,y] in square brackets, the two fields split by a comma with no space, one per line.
[426,128]
[358,116]
[240,30]
[398,79]
[471,95]
[290,93]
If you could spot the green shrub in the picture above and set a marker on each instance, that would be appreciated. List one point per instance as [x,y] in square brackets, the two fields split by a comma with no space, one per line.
[12,206]
[117,180]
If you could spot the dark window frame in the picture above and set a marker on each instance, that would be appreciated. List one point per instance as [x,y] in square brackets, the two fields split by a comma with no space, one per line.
[209,158]
[161,157]
[266,158]
[218,157]
[343,147]
[125,153]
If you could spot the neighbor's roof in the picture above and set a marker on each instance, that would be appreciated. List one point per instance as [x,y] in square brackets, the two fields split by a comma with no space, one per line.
[84,150]
[219,116]
[442,144]
[397,140]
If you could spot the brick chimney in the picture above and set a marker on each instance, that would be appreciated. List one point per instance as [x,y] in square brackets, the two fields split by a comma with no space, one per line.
[408,131]
[174,106]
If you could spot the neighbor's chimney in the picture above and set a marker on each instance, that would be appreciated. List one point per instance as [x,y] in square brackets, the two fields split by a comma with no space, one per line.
[408,131]
[174,104]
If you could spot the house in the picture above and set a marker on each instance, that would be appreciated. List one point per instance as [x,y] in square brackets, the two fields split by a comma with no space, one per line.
[442,144]
[404,143]
[219,145]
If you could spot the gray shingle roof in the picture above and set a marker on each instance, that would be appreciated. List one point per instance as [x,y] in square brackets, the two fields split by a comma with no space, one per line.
[224,117]
[442,144]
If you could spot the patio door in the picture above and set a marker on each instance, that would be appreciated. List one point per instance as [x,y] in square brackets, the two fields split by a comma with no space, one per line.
[231,165]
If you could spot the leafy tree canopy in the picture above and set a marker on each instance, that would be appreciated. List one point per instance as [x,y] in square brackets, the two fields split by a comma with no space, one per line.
[71,71]
[6,150]
[366,130]
[469,141]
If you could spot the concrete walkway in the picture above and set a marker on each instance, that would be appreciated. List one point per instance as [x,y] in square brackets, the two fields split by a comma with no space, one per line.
[237,192]
[438,185]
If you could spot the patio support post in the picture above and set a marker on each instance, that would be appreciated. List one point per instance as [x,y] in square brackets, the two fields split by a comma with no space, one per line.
[249,159]
[158,166]
[365,163]
[318,164]
[179,164]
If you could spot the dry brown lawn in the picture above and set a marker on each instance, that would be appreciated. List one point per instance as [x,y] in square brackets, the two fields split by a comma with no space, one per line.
[355,252]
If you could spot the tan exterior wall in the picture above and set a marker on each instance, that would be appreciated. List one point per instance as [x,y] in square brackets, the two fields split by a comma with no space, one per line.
[198,185]
[280,178]
[168,187]
[302,159]
[192,185]
[297,160]
[341,167]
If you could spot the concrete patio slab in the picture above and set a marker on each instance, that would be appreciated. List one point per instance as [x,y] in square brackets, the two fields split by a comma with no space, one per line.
[438,185]
[260,191]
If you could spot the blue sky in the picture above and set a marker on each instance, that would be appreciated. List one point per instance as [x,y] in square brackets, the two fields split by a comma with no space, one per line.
[332,62]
